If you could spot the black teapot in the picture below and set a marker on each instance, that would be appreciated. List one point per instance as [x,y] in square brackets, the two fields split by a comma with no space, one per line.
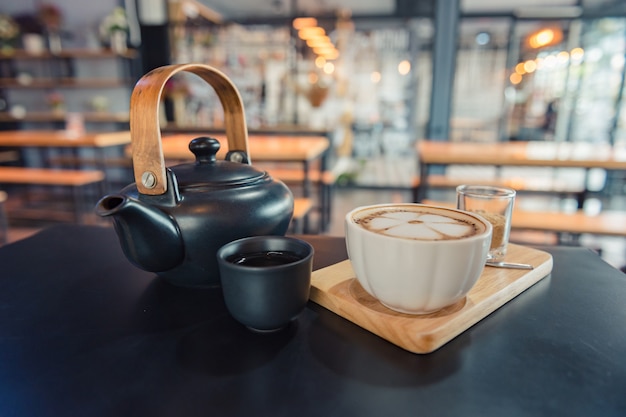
[172,221]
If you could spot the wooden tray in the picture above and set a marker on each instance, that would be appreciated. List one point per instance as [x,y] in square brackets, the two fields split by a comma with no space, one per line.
[336,288]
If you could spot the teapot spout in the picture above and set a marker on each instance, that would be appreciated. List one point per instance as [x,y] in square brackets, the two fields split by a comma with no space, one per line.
[149,237]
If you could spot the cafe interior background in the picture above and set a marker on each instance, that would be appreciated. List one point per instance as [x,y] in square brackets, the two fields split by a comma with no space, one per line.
[518,70]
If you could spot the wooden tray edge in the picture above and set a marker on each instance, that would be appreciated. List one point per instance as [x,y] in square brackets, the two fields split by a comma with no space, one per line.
[489,306]
[404,330]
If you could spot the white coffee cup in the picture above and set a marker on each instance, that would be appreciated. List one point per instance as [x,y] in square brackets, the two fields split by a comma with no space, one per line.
[416,258]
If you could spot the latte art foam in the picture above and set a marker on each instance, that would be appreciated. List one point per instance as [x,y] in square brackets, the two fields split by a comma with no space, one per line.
[418,225]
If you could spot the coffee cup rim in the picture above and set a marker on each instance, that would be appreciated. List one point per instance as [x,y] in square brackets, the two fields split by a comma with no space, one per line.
[260,243]
[487,225]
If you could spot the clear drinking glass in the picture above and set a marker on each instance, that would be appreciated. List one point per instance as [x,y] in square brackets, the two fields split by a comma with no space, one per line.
[495,204]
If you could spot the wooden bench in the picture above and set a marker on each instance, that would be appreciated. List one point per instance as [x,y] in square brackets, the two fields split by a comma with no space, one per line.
[77,180]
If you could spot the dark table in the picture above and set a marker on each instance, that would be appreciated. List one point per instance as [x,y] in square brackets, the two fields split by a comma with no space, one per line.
[84,333]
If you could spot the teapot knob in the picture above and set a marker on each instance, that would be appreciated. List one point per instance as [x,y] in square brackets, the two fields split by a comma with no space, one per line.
[205,149]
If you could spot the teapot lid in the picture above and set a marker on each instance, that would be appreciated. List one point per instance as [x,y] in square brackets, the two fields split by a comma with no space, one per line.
[208,171]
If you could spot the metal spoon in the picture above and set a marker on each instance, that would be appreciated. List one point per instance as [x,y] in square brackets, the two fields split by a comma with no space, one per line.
[508,265]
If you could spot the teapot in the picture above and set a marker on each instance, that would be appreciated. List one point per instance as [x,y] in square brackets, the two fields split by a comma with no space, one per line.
[173,220]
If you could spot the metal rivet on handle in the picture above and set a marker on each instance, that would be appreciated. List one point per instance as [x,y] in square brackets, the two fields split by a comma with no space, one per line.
[148,179]
[236,157]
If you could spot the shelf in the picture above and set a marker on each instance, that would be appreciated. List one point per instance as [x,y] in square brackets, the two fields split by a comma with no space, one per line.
[63,83]
[67,71]
[50,116]
[68,53]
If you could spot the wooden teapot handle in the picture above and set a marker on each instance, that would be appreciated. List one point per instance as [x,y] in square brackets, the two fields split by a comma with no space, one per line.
[145,131]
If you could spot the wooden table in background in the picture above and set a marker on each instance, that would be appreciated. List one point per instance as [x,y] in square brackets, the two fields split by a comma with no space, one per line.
[301,149]
[262,147]
[46,140]
[499,154]
[62,139]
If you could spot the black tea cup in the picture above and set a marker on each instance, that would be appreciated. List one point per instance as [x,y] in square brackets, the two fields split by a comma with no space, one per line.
[265,280]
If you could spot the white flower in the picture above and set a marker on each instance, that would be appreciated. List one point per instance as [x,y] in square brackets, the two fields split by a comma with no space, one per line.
[114,21]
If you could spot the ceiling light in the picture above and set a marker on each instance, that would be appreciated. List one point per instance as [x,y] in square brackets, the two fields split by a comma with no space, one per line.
[549,61]
[530,66]
[515,78]
[320,50]
[562,57]
[318,41]
[404,67]
[577,53]
[545,37]
[311,32]
[331,55]
[304,22]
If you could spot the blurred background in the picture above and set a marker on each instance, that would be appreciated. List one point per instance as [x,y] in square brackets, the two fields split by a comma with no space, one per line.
[373,76]
[475,70]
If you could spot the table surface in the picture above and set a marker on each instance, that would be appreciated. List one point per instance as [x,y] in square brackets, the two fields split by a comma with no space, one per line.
[287,148]
[62,139]
[84,333]
[554,154]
